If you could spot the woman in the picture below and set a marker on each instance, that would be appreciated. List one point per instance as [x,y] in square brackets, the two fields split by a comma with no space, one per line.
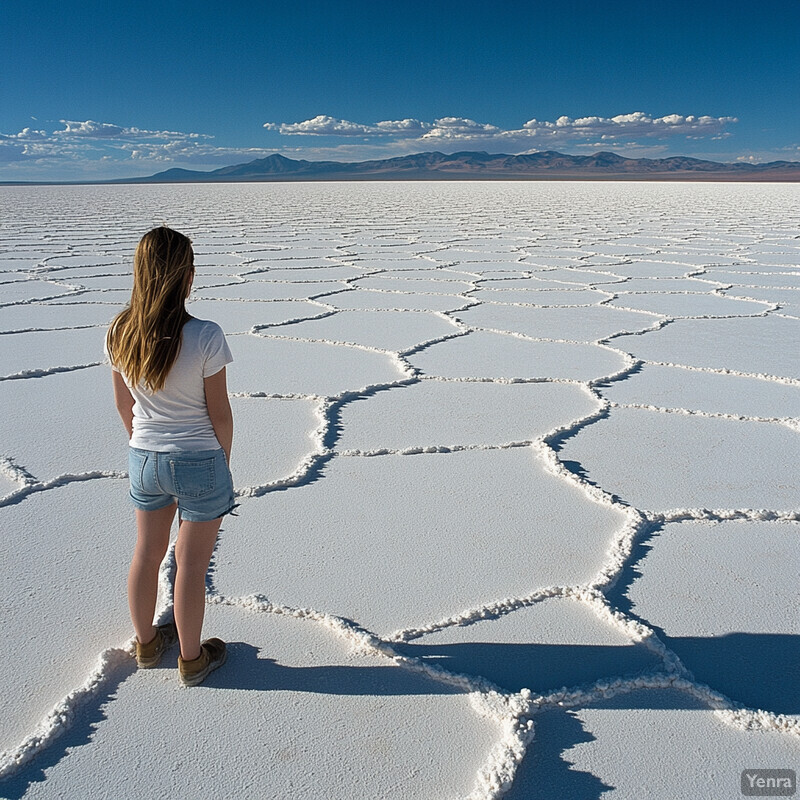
[171,393]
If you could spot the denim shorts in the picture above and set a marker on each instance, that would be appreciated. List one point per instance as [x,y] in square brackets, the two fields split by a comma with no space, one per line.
[199,480]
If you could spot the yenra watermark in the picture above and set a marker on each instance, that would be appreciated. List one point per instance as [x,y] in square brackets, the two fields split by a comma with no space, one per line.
[769,782]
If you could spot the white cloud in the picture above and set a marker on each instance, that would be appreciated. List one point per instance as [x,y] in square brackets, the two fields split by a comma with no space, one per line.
[192,153]
[105,130]
[636,124]
[82,148]
[26,134]
[403,126]
[460,128]
[788,153]
[26,145]
[90,128]
[454,130]
[323,125]
[82,145]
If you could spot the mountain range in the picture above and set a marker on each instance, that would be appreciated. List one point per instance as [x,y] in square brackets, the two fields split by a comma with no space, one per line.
[546,165]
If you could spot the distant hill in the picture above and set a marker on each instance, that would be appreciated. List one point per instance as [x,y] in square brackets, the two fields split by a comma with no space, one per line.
[547,165]
[474,166]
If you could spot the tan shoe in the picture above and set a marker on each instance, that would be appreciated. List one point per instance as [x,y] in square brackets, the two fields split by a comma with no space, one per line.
[212,655]
[148,655]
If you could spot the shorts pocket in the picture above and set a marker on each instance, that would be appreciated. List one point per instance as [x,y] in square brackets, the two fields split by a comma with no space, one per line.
[137,461]
[193,478]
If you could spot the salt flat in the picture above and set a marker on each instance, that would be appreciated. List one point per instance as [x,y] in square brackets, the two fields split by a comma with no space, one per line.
[516,467]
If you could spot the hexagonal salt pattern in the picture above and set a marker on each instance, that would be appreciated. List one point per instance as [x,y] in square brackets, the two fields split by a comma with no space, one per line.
[573,324]
[437,413]
[304,715]
[44,351]
[754,345]
[284,429]
[690,305]
[367,299]
[518,506]
[664,743]
[711,392]
[668,462]
[542,297]
[311,368]
[496,356]
[724,595]
[50,316]
[67,552]
[353,541]
[33,289]
[559,642]
[235,317]
[384,330]
[49,440]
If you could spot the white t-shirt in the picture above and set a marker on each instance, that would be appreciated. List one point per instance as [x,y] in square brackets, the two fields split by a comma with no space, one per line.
[176,417]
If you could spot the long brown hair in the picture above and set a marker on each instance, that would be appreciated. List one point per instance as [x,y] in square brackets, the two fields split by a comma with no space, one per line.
[144,340]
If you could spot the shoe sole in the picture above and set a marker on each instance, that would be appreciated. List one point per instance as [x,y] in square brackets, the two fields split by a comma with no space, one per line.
[193,680]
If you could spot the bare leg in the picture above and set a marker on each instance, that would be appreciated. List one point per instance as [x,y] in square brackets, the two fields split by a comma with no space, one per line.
[193,552]
[152,541]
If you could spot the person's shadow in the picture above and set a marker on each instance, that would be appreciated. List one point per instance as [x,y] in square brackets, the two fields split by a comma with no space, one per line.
[756,670]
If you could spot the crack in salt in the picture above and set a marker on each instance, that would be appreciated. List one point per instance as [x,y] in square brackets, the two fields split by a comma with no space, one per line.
[513,712]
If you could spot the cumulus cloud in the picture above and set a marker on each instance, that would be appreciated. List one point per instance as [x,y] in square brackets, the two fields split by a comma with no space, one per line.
[322,125]
[90,128]
[89,142]
[460,128]
[403,126]
[443,128]
[636,124]
[26,134]
[83,145]
[191,153]
[26,145]
[564,129]
[787,153]
[105,130]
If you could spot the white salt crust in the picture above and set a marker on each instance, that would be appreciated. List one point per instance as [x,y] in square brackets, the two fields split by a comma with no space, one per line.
[54,316]
[236,317]
[313,372]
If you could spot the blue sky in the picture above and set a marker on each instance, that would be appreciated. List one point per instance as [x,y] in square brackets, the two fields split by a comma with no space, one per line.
[109,89]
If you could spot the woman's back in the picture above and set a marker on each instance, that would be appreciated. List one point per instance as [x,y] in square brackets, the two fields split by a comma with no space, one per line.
[176,417]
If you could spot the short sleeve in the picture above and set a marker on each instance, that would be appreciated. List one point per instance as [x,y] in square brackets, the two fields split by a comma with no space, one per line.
[216,353]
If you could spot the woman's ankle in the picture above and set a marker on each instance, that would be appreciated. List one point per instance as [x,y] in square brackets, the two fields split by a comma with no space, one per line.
[150,639]
[197,655]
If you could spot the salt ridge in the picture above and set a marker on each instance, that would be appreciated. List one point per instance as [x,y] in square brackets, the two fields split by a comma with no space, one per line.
[514,712]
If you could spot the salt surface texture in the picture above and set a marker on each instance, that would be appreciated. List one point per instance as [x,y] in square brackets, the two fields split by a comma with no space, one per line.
[383,330]
[517,478]
[586,324]
[235,317]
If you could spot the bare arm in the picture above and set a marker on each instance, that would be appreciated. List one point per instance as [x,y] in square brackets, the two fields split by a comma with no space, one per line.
[219,410]
[124,401]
